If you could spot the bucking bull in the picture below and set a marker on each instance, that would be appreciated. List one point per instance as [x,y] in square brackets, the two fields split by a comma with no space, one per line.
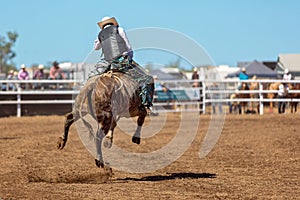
[106,97]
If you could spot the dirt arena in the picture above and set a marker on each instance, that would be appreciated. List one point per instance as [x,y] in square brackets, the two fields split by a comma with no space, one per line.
[256,157]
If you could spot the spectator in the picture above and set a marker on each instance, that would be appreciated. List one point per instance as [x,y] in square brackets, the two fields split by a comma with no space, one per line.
[55,72]
[282,92]
[216,96]
[287,76]
[243,75]
[233,105]
[157,85]
[10,86]
[195,77]
[243,85]
[39,75]
[23,74]
[10,75]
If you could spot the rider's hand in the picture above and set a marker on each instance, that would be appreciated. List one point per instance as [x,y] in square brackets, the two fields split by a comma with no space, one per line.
[130,54]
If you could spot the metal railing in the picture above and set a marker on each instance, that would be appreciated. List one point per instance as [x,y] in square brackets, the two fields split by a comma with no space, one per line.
[205,93]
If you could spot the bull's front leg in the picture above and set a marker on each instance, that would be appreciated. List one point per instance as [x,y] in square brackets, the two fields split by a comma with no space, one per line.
[136,138]
[68,122]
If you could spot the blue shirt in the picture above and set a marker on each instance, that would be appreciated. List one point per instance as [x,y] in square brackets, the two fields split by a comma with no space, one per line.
[243,76]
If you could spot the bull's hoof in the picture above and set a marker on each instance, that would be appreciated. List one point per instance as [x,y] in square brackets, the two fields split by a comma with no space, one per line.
[107,143]
[108,171]
[99,163]
[136,140]
[61,143]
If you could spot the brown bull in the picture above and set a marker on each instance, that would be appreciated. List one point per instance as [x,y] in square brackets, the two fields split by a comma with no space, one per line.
[106,97]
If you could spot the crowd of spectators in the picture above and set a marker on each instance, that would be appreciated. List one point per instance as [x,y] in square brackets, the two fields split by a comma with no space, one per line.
[55,73]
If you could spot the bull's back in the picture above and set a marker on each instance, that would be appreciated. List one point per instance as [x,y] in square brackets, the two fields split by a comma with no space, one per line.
[118,91]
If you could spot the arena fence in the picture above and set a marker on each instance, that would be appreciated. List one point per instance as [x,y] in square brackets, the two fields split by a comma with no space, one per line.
[180,96]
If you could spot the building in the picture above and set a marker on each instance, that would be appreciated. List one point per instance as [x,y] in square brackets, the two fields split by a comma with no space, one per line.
[290,62]
[255,68]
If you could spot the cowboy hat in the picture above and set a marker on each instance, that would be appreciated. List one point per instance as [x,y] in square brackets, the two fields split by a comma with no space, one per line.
[55,64]
[106,21]
[41,66]
[286,71]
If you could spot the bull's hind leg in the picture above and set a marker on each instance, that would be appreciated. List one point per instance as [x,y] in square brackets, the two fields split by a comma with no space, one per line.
[98,141]
[68,122]
[136,138]
[104,133]
[110,134]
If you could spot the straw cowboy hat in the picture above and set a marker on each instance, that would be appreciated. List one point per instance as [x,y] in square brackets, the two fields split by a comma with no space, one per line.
[106,21]
[23,66]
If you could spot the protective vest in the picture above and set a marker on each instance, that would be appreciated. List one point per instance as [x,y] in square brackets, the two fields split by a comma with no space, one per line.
[113,45]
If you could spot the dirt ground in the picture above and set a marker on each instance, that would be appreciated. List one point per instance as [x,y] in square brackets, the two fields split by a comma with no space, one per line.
[256,157]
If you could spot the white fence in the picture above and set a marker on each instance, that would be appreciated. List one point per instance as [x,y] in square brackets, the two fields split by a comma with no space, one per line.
[187,98]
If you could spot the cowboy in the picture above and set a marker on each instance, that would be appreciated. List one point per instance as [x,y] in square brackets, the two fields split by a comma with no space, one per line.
[23,73]
[10,76]
[287,76]
[113,40]
[282,92]
[117,50]
[39,75]
[243,76]
[195,77]
[56,72]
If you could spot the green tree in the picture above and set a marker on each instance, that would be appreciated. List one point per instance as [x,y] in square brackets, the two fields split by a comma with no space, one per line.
[6,52]
[175,64]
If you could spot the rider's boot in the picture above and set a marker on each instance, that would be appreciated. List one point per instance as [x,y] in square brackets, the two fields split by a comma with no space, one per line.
[147,102]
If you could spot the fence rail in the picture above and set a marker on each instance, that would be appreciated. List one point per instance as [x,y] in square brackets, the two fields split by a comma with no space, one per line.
[188,98]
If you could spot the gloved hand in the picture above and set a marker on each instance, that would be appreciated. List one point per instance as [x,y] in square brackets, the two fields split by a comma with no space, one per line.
[130,55]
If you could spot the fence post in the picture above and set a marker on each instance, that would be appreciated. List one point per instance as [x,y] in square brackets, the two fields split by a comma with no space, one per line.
[261,104]
[19,102]
[204,97]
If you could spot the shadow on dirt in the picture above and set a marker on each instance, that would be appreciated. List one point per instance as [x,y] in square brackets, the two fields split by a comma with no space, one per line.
[171,176]
[9,138]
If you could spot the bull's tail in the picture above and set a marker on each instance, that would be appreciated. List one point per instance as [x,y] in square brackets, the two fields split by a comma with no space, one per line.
[85,98]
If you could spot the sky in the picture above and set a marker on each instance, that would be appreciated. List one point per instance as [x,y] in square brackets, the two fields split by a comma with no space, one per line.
[229,31]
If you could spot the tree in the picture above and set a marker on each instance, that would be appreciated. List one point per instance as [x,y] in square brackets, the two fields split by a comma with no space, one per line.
[6,52]
[175,64]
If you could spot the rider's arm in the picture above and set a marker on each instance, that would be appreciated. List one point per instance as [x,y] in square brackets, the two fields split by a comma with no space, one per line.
[97,44]
[124,36]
